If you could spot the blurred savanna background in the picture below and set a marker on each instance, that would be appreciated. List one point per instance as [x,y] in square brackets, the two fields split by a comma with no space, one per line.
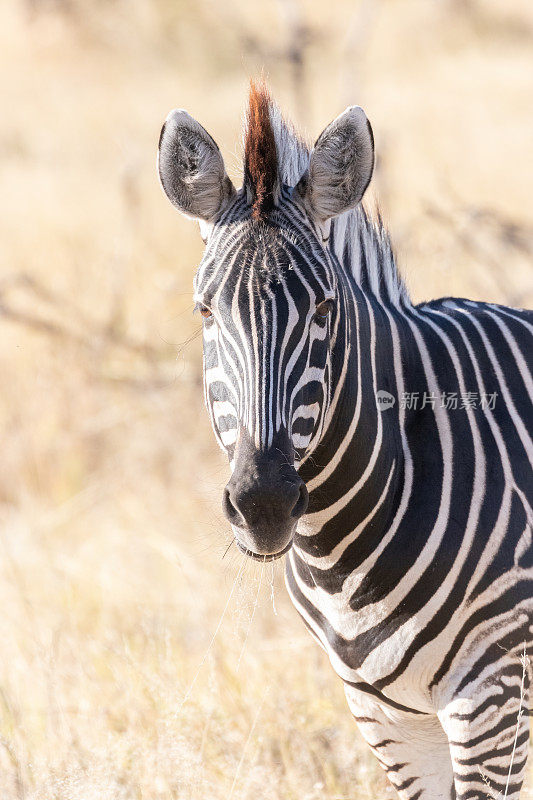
[140,658]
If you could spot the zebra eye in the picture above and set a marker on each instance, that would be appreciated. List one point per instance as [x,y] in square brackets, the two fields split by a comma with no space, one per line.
[323,308]
[205,312]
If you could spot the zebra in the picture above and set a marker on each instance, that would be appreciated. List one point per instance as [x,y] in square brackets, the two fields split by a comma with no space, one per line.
[383,446]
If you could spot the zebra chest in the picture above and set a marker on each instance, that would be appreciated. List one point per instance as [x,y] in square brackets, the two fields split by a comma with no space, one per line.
[366,645]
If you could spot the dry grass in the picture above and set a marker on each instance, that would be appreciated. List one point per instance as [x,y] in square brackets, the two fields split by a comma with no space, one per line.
[112,580]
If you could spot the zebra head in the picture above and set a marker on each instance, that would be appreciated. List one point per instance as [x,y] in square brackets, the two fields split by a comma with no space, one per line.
[267,288]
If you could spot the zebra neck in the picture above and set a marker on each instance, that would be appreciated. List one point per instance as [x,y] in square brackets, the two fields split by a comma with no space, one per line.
[355,475]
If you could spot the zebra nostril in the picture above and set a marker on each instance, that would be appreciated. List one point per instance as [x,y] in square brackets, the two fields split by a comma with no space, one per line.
[300,507]
[231,512]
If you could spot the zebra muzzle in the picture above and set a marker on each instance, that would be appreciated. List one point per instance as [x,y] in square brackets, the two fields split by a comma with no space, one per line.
[263,501]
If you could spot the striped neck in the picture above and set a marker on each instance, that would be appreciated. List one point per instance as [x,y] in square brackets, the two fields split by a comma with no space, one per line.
[356,472]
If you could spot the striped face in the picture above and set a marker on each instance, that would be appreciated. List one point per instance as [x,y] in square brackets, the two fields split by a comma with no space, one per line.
[266,289]
[268,301]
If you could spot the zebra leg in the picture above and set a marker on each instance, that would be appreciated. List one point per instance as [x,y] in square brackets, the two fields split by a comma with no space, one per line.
[412,748]
[487,723]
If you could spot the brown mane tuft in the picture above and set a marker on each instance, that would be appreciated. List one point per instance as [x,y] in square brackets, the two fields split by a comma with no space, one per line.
[260,154]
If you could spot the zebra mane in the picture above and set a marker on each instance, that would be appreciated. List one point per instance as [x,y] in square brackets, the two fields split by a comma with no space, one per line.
[275,155]
[363,242]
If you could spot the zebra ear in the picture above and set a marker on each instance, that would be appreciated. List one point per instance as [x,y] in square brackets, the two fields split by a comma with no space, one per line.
[191,168]
[340,166]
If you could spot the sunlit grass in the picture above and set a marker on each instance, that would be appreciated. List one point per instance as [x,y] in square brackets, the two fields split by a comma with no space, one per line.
[137,660]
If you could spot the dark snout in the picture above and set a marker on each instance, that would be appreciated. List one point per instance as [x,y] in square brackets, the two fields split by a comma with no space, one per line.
[264,500]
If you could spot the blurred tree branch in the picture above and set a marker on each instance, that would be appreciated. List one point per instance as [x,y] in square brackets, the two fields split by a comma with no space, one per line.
[489,238]
[93,333]
[81,331]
